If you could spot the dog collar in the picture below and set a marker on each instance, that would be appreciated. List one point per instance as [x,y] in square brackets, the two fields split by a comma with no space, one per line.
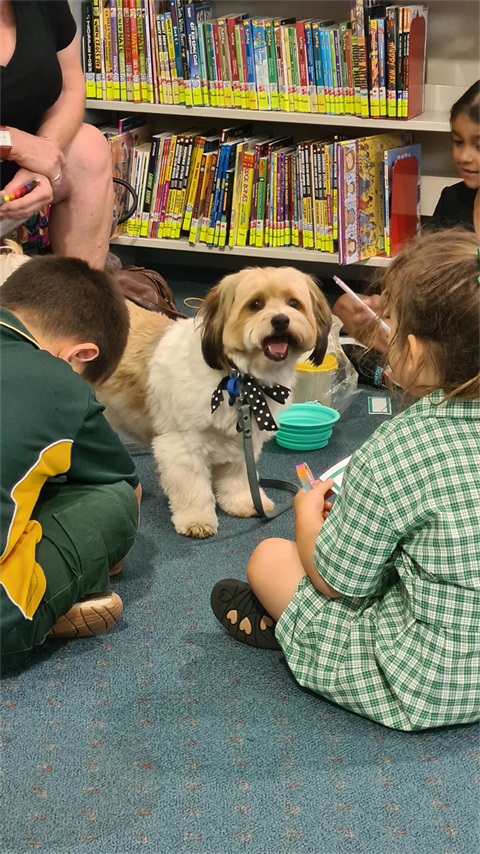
[245,386]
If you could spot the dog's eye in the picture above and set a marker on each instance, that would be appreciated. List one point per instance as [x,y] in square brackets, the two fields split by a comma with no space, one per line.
[293,303]
[256,304]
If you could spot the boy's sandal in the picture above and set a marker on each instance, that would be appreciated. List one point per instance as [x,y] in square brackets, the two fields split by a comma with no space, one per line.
[242,614]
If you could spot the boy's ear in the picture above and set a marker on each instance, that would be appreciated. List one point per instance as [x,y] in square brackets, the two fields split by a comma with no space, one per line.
[77,354]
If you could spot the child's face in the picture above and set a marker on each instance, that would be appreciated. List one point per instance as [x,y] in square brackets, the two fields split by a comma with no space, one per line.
[466,150]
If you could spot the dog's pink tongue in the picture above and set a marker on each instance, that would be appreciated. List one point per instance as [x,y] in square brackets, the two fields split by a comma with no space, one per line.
[278,348]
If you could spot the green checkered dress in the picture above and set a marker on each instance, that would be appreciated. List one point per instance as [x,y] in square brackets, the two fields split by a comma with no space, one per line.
[402,546]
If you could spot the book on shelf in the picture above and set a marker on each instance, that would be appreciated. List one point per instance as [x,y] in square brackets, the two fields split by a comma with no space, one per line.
[173,52]
[366,199]
[402,216]
[242,187]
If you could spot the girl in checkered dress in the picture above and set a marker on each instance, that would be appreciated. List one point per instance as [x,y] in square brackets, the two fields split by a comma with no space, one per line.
[376,605]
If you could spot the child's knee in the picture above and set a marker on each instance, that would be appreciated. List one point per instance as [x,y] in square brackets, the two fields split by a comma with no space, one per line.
[263,557]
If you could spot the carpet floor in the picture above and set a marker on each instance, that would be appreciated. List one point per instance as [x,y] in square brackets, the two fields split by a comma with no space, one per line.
[166,736]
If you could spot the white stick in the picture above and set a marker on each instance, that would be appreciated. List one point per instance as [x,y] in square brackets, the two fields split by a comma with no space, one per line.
[367,308]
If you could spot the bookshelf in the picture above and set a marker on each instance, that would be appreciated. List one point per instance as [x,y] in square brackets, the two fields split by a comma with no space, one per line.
[452,65]
[435,121]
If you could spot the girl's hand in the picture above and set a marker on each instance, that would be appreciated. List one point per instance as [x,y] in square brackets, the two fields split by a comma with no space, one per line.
[358,323]
[22,209]
[312,504]
[37,154]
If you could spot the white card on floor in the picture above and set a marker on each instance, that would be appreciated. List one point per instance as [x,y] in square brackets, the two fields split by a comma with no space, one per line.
[379,406]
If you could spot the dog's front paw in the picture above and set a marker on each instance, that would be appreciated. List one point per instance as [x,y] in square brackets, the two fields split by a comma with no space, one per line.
[193,525]
[241,504]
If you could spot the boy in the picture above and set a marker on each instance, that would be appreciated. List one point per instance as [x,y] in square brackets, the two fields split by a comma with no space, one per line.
[69,491]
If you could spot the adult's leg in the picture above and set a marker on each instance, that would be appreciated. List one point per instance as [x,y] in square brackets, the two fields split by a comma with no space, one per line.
[82,210]
[86,530]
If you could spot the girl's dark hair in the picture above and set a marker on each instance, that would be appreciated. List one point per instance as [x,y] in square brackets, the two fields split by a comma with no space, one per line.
[469,104]
[65,298]
[433,290]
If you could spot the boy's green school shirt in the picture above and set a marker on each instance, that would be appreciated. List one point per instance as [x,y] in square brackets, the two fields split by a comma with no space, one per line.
[51,425]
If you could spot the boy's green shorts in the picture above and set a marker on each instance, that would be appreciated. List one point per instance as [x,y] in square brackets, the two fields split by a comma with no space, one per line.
[87,530]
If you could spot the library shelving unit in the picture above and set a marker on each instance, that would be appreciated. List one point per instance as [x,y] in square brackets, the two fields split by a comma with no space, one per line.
[452,64]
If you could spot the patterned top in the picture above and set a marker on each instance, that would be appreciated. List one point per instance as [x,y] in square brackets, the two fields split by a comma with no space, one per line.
[402,544]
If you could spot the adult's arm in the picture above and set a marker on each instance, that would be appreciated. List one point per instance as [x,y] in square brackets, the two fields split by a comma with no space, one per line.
[62,121]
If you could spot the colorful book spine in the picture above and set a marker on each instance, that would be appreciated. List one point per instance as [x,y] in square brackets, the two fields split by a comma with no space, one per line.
[391,62]
[303,94]
[281,66]
[121,51]
[241,100]
[218,66]
[128,49]
[272,64]
[250,64]
[153,55]
[362,59]
[197,213]
[261,195]
[407,14]
[225,64]
[319,74]
[400,67]
[351,86]
[336,61]
[374,71]
[194,89]
[169,59]
[210,58]
[88,62]
[245,199]
[136,89]
[261,64]
[114,44]
[142,59]
[107,49]
[97,49]
[208,201]
[232,49]
[327,67]
[382,67]
[182,39]
[202,55]
[310,58]
[293,69]
[177,80]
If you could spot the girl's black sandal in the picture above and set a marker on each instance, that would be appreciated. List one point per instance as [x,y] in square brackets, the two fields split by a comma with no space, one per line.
[242,614]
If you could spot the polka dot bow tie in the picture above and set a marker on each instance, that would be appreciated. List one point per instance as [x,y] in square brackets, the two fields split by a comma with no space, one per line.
[254,393]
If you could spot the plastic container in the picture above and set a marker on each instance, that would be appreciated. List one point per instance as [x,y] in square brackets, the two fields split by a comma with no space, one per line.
[306,426]
[315,383]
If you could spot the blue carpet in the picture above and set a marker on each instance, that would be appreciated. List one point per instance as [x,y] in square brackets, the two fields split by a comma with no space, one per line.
[166,736]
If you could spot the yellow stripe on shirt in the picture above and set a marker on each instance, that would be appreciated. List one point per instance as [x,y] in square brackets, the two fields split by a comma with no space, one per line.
[20,574]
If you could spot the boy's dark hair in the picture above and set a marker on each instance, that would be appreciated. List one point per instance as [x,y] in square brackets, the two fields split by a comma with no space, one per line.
[65,298]
[469,104]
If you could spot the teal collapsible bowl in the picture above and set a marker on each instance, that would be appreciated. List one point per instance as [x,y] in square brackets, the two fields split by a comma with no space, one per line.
[306,426]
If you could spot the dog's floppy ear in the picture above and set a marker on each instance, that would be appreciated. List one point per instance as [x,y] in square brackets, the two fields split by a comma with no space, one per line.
[323,322]
[213,315]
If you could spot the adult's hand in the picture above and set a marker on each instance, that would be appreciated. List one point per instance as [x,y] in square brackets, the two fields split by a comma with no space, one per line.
[22,209]
[37,154]
[359,323]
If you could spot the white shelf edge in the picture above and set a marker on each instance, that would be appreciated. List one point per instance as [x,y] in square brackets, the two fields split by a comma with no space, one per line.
[279,254]
[436,121]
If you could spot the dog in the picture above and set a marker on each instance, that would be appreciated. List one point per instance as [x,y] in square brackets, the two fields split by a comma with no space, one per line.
[168,387]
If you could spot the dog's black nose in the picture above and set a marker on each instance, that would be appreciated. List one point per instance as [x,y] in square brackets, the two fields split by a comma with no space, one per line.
[280,322]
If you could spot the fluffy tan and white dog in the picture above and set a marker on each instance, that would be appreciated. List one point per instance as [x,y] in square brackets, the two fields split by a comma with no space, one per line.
[258,320]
